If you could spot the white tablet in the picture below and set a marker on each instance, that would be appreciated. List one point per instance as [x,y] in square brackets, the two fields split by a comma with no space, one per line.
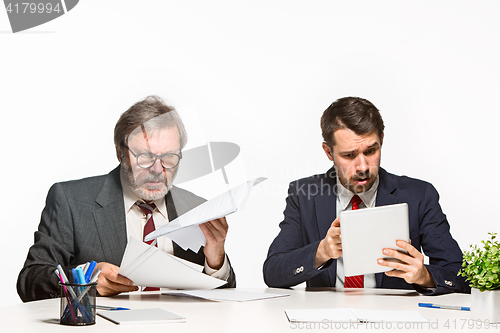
[365,232]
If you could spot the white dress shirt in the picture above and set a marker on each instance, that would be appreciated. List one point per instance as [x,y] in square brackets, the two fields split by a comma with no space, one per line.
[136,220]
[344,197]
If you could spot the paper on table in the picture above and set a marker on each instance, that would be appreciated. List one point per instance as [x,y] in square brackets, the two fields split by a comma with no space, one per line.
[321,315]
[142,316]
[148,266]
[220,206]
[225,295]
[344,315]
[374,316]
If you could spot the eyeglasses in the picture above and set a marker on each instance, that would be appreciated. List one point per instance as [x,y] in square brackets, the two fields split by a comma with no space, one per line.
[147,160]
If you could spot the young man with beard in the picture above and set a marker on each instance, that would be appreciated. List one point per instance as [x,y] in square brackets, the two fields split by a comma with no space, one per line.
[92,218]
[309,245]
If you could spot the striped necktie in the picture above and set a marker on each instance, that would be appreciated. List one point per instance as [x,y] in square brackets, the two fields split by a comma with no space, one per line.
[149,227]
[356,281]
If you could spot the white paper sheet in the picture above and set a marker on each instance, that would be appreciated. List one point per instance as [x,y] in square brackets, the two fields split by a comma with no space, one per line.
[233,295]
[148,266]
[344,315]
[220,206]
[142,316]
[321,315]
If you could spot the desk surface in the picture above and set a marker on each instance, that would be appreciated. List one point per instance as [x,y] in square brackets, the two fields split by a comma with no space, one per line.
[254,316]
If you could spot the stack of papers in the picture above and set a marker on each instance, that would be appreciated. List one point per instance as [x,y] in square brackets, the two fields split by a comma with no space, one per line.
[142,316]
[146,265]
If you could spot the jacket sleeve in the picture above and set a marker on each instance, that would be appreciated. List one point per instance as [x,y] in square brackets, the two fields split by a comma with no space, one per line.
[53,245]
[231,280]
[290,260]
[445,256]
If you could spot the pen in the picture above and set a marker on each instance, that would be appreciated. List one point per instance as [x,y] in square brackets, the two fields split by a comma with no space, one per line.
[75,276]
[90,271]
[67,299]
[85,268]
[111,308]
[439,306]
[86,290]
[65,280]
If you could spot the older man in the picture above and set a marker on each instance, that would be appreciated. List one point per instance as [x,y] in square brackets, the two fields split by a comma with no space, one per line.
[91,219]
[309,245]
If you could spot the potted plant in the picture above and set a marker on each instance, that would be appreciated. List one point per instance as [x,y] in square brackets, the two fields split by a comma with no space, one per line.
[481,266]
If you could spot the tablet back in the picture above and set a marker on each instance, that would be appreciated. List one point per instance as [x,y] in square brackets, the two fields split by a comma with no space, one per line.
[365,232]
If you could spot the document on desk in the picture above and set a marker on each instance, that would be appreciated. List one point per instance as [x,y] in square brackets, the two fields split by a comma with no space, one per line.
[148,266]
[184,230]
[233,295]
[346,315]
[142,316]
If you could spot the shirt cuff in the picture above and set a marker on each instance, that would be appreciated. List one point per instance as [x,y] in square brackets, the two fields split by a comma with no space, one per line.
[325,264]
[222,273]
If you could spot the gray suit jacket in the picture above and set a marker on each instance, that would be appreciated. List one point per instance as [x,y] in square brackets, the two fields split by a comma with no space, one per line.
[84,220]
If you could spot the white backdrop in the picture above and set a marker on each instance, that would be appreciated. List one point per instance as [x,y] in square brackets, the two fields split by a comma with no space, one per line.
[258,74]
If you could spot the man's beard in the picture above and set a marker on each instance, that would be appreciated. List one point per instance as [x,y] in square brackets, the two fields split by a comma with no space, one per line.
[354,188]
[149,193]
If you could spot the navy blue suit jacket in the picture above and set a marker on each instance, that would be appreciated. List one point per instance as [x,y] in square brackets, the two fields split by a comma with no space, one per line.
[311,209]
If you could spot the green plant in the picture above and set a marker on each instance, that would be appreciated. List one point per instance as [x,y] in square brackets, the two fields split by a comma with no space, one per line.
[481,266]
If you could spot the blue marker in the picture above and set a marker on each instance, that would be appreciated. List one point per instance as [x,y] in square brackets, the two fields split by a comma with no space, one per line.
[90,271]
[438,306]
[75,276]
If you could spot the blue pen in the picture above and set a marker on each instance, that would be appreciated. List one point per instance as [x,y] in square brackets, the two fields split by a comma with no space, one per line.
[75,276]
[81,280]
[439,306]
[110,308]
[90,271]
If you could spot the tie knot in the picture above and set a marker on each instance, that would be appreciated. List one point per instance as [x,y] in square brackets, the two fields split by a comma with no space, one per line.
[146,208]
[355,201]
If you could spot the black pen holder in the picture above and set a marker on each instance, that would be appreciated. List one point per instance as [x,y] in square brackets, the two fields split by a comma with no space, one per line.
[77,304]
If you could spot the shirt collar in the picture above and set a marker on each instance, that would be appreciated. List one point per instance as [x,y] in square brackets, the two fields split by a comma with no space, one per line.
[367,197]
[129,198]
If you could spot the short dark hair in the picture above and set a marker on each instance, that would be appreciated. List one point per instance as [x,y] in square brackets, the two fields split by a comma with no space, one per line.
[151,112]
[354,113]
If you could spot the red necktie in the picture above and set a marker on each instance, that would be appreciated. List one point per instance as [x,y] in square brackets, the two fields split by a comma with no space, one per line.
[356,281]
[148,210]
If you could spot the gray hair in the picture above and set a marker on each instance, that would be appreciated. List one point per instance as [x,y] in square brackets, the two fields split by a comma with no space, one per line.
[150,113]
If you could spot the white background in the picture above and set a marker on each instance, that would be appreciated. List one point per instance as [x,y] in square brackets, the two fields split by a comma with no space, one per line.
[259,74]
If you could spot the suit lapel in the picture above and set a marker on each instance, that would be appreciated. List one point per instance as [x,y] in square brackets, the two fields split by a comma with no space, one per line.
[110,218]
[386,189]
[385,196]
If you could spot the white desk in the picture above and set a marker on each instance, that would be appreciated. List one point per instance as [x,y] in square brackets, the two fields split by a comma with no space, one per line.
[255,316]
